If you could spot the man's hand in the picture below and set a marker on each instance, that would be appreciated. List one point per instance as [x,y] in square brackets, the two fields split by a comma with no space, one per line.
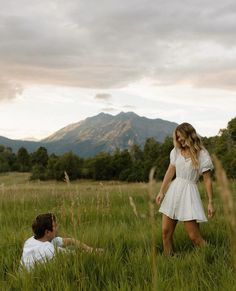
[99,251]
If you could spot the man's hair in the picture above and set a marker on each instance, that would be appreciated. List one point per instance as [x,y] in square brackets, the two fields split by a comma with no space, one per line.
[42,223]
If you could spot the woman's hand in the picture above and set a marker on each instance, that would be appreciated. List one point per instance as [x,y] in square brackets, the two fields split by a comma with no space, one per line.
[159,198]
[211,210]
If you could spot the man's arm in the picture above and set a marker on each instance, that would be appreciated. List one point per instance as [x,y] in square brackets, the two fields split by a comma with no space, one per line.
[74,242]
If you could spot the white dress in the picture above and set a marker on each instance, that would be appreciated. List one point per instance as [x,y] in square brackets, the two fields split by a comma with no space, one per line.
[182,200]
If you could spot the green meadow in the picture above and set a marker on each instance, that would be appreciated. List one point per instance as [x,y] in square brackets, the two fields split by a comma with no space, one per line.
[102,214]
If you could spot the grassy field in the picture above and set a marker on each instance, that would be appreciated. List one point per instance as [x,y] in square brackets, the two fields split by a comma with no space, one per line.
[100,214]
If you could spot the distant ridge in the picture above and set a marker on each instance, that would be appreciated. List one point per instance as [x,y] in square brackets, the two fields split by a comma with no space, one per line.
[103,132]
[15,144]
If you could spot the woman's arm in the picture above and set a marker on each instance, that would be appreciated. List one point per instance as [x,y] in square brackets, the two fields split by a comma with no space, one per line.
[208,184]
[167,179]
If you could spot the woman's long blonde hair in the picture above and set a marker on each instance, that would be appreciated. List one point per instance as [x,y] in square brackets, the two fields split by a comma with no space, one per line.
[192,140]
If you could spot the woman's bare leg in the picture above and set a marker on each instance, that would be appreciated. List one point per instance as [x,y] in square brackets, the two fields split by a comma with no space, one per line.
[193,230]
[168,228]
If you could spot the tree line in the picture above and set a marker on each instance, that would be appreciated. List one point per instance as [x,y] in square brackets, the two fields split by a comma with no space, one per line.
[125,165]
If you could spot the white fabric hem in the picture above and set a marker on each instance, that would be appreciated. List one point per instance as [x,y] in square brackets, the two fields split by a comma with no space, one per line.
[183,219]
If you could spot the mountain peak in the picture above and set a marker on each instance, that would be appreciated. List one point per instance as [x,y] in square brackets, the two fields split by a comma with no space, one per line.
[102,132]
[127,114]
[122,113]
[102,114]
[106,132]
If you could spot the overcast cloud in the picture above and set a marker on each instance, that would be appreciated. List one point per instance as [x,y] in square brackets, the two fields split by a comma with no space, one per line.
[103,96]
[9,89]
[110,44]
[67,60]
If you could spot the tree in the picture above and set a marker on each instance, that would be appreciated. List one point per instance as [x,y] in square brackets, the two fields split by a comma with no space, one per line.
[8,161]
[137,172]
[2,148]
[151,153]
[51,167]
[121,162]
[87,171]
[23,159]
[151,149]
[136,153]
[38,173]
[4,165]
[232,129]
[163,158]
[102,167]
[40,157]
[69,163]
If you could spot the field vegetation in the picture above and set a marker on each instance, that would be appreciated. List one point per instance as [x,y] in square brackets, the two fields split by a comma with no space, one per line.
[116,217]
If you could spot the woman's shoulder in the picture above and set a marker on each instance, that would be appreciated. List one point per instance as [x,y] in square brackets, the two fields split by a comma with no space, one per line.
[204,153]
[205,161]
[175,150]
[173,155]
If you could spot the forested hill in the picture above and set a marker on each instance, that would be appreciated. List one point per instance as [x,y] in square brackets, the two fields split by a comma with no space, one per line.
[103,132]
[16,144]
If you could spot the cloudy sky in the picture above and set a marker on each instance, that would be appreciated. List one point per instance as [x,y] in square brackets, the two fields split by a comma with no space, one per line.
[62,61]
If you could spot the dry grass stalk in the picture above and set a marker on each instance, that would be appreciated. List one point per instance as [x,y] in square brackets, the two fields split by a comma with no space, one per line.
[66,179]
[73,218]
[63,211]
[2,187]
[228,205]
[132,204]
[98,202]
[108,203]
[151,194]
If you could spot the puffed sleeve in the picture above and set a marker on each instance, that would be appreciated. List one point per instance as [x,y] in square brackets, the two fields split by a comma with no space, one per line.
[205,162]
[173,156]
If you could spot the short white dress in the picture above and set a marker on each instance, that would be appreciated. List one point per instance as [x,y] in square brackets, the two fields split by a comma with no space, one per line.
[182,200]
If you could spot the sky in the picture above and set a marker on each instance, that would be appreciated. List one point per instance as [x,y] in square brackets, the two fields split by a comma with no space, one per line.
[63,61]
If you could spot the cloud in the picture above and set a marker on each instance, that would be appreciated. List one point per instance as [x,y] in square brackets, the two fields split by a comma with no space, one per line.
[129,107]
[9,90]
[103,96]
[108,109]
[109,44]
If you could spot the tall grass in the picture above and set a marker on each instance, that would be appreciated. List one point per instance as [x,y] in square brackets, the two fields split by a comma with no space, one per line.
[101,215]
[228,206]
[151,194]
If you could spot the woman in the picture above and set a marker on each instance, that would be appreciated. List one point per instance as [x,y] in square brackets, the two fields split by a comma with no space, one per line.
[188,160]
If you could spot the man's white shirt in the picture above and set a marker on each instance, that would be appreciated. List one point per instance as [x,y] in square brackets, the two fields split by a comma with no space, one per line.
[37,251]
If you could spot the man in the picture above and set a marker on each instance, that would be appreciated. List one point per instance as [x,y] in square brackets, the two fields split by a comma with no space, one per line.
[42,246]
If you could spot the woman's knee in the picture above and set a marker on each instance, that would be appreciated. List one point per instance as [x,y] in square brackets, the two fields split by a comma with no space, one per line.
[195,238]
[167,233]
[168,227]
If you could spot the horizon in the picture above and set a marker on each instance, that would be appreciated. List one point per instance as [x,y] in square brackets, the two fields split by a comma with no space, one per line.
[110,114]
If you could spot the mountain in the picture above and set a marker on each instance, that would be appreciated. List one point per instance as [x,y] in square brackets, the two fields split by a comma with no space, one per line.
[103,132]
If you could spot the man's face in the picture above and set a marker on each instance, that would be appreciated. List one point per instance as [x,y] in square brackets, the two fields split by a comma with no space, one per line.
[52,234]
